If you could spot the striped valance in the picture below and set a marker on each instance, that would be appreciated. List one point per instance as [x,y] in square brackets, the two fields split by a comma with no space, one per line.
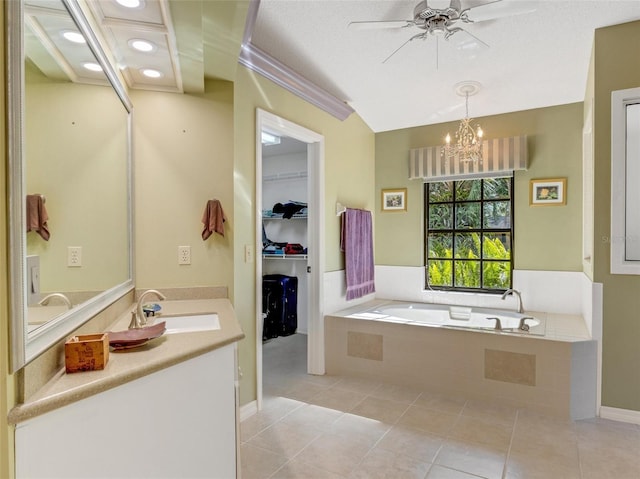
[500,156]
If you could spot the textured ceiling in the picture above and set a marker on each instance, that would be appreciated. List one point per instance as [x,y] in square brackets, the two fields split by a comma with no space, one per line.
[535,59]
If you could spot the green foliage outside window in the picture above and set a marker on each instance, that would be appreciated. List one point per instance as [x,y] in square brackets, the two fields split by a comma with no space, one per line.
[469,234]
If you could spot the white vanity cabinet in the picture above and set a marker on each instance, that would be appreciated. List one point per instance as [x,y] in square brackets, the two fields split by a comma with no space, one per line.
[178,422]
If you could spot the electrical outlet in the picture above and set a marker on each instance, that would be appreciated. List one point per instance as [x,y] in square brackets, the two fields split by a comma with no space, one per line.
[74,256]
[248,253]
[184,254]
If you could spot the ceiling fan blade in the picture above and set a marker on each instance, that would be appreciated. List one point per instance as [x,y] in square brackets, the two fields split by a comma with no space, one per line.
[465,41]
[376,25]
[419,35]
[498,9]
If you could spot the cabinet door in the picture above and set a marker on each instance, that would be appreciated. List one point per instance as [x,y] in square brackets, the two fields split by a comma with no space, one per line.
[176,423]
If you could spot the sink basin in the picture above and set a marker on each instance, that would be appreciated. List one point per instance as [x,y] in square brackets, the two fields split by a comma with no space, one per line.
[190,323]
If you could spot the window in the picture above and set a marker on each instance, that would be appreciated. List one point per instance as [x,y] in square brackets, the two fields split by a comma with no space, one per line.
[469,234]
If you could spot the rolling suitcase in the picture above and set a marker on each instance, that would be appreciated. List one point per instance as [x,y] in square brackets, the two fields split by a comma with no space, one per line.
[279,305]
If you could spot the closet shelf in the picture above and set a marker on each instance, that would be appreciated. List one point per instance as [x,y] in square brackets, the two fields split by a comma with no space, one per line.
[280,217]
[285,256]
[299,175]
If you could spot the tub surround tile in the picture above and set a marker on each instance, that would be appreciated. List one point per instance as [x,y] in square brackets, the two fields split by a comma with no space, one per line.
[510,367]
[364,345]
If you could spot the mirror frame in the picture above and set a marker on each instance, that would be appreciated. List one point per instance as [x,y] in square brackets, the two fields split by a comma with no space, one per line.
[27,346]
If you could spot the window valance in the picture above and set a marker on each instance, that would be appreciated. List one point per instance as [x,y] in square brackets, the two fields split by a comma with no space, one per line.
[501,156]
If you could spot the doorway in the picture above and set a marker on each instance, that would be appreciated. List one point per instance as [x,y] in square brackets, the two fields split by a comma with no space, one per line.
[311,145]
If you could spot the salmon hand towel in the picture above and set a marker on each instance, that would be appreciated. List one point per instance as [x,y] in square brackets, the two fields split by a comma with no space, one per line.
[213,219]
[37,216]
[356,240]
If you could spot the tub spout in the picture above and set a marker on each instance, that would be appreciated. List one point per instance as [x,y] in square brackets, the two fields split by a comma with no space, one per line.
[498,326]
[517,293]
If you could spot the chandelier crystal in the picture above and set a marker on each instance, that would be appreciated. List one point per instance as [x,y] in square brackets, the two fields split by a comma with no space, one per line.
[468,145]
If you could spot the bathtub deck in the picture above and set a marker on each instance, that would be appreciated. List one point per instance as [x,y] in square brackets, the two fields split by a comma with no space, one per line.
[554,374]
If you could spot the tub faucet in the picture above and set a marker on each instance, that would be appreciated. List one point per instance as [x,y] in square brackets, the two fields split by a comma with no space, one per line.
[138,318]
[44,301]
[517,293]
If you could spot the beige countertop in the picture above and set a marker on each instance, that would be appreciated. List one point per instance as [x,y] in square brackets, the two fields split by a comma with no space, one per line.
[127,365]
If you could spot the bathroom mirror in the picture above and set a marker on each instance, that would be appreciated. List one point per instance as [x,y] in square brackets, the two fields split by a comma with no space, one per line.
[69,175]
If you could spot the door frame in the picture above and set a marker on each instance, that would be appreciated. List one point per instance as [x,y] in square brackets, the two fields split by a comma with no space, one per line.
[315,233]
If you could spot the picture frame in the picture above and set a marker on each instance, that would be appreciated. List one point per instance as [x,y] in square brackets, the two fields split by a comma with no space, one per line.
[548,192]
[394,199]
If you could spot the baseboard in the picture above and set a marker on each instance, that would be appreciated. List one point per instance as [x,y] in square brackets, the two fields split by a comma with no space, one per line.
[622,415]
[248,410]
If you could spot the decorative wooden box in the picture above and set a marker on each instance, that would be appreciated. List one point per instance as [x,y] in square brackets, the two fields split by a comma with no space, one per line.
[86,353]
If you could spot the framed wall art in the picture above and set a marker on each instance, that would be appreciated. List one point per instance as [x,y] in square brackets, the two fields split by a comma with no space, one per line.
[394,199]
[548,192]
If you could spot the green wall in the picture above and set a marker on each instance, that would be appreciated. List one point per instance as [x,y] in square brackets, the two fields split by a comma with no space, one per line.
[349,178]
[545,238]
[621,315]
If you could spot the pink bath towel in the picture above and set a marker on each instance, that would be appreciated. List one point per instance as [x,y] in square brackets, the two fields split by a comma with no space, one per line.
[356,240]
[213,219]
[37,216]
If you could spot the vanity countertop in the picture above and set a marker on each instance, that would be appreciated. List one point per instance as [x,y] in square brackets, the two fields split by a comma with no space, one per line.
[127,365]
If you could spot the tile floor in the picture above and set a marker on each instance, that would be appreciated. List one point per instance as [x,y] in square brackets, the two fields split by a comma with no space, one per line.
[329,427]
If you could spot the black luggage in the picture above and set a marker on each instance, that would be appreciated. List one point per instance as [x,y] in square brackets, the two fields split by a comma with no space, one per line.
[279,305]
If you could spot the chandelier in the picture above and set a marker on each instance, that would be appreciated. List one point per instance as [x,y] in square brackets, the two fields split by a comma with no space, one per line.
[468,145]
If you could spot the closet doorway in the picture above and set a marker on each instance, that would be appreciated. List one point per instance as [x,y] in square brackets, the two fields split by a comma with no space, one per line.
[289,211]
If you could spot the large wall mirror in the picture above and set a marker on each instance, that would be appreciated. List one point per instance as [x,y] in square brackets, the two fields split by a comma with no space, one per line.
[70,175]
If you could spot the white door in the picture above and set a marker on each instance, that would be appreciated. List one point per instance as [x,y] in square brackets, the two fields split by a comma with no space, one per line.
[315,182]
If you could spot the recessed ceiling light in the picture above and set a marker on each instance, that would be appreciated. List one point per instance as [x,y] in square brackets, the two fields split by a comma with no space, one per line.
[142,45]
[151,73]
[91,66]
[131,3]
[73,36]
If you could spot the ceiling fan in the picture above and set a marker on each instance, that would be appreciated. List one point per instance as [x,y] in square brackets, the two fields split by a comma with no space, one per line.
[439,20]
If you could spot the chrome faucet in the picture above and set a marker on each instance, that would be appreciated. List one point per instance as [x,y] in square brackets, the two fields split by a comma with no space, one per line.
[138,318]
[517,293]
[523,326]
[44,301]
[498,326]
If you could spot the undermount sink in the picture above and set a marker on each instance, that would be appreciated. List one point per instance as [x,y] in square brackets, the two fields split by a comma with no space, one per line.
[190,323]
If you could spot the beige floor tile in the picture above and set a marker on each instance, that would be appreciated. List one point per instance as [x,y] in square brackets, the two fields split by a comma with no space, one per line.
[274,409]
[296,469]
[284,439]
[441,472]
[360,428]
[608,463]
[472,458]
[393,392]
[304,391]
[339,399]
[258,463]
[415,443]
[383,410]
[312,416]
[441,402]
[482,430]
[334,453]
[382,464]
[494,410]
[361,385]
[429,420]
[534,465]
